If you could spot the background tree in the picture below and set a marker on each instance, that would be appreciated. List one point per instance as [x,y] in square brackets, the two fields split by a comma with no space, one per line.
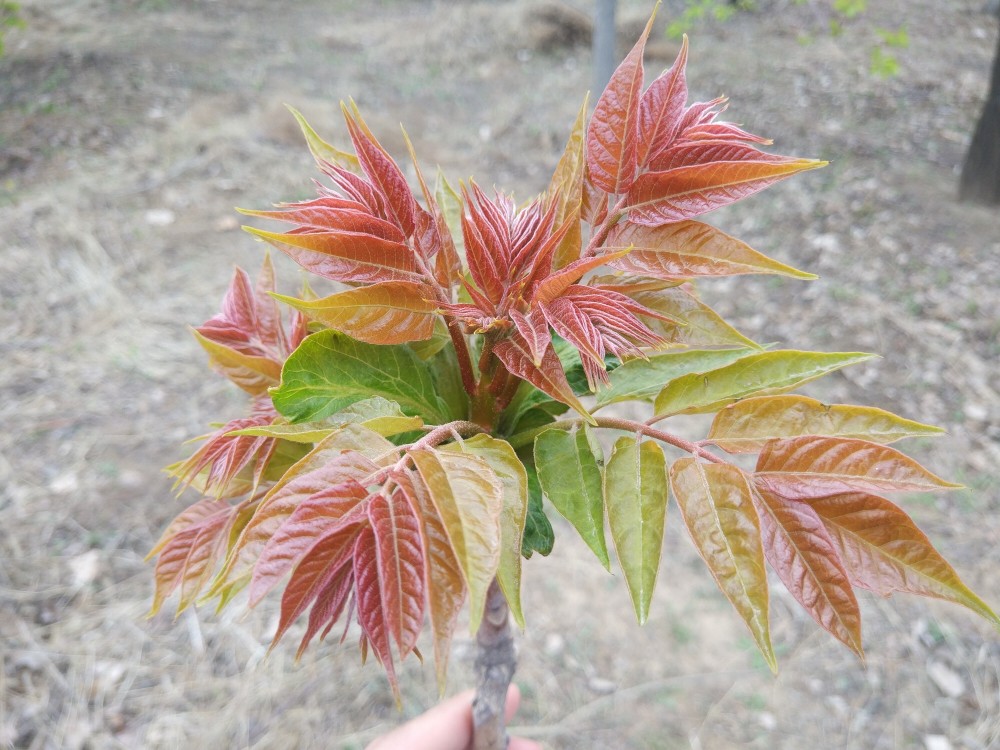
[980,180]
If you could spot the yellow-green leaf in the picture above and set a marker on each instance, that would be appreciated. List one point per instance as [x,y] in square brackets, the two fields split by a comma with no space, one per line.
[514,480]
[642,379]
[696,324]
[376,413]
[566,187]
[320,149]
[393,312]
[744,427]
[716,504]
[763,374]
[570,477]
[253,374]
[635,494]
[469,498]
[685,249]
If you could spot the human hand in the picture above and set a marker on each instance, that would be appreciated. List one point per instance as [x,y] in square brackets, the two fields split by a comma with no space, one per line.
[448,726]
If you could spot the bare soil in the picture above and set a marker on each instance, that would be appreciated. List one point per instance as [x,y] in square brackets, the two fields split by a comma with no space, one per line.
[128,131]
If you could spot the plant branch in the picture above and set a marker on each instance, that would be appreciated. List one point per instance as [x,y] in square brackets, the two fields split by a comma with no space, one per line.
[625,425]
[495,665]
[601,233]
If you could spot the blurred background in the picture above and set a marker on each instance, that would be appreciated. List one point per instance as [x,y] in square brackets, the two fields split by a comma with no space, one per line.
[130,128]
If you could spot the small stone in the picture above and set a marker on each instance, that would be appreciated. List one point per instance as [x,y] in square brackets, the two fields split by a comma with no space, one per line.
[601,686]
[160,217]
[85,568]
[554,645]
[767,720]
[64,484]
[226,224]
[948,681]
[936,742]
[976,412]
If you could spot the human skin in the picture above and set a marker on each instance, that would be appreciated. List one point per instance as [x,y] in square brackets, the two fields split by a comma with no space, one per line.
[448,726]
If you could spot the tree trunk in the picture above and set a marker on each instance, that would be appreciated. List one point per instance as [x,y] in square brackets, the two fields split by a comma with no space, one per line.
[980,181]
[495,664]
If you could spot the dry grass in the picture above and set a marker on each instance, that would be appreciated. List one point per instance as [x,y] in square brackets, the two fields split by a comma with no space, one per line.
[116,111]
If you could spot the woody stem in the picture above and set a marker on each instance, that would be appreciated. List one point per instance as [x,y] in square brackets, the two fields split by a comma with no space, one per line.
[495,665]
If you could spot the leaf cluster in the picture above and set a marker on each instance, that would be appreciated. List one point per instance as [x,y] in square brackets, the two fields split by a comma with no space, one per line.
[408,430]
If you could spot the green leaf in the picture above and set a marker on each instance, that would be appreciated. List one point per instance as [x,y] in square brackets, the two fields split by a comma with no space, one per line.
[469,498]
[538,534]
[511,473]
[570,477]
[427,348]
[447,379]
[767,373]
[330,371]
[744,427]
[716,504]
[642,379]
[635,494]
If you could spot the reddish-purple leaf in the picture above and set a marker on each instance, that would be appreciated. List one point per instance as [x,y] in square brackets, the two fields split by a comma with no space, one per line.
[346,256]
[691,153]
[401,566]
[884,551]
[187,559]
[559,281]
[332,214]
[689,248]
[281,501]
[813,466]
[548,376]
[371,616]
[799,548]
[334,591]
[328,553]
[662,108]
[313,517]
[613,134]
[662,197]
[598,321]
[383,172]
[534,328]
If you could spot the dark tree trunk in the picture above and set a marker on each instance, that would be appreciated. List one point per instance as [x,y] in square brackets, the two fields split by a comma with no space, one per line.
[980,181]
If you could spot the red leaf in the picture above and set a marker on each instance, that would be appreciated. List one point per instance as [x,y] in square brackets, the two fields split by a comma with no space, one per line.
[280,502]
[597,321]
[722,131]
[557,283]
[884,551]
[811,466]
[443,577]
[334,590]
[187,560]
[661,108]
[613,134]
[799,548]
[548,376]
[487,243]
[311,518]
[690,153]
[328,553]
[534,328]
[383,172]
[662,197]
[346,256]
[401,567]
[371,616]
[329,213]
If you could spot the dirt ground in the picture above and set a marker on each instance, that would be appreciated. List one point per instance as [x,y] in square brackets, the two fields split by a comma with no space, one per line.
[128,131]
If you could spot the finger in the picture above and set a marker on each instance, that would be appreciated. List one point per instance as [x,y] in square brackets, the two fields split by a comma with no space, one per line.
[513,701]
[519,743]
[447,726]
